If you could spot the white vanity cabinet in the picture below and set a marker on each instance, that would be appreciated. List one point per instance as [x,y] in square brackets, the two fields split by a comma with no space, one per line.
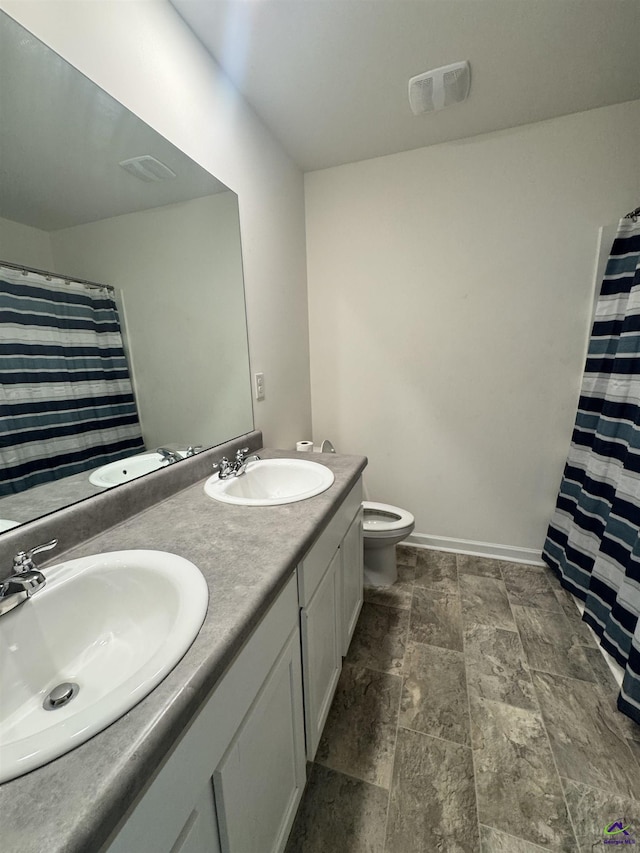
[200,832]
[258,782]
[330,580]
[233,782]
[321,631]
[352,579]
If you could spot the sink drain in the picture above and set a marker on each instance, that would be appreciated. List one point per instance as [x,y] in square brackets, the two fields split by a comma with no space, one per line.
[60,696]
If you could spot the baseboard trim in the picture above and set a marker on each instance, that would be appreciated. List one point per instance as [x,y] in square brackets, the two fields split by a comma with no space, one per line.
[476,549]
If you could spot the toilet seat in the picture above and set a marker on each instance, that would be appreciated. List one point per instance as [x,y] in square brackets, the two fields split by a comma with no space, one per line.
[382,519]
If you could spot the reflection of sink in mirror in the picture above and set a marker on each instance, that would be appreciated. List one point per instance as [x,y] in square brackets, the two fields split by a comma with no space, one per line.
[269,482]
[7,524]
[124,470]
[114,625]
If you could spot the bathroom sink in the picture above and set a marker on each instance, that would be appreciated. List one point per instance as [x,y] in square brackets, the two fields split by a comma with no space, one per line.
[124,470]
[269,482]
[114,624]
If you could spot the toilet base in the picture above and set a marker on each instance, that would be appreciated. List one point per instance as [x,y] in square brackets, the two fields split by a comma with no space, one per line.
[380,567]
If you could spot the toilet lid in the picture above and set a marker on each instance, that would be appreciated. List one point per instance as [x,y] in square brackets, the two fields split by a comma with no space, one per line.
[380,517]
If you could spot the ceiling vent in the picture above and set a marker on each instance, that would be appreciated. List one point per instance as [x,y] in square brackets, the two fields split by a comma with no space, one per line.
[439,88]
[147,168]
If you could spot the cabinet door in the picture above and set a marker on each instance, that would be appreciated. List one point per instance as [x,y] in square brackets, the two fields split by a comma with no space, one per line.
[321,652]
[259,782]
[352,580]
[200,832]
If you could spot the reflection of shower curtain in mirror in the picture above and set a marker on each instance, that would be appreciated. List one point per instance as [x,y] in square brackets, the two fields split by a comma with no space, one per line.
[66,400]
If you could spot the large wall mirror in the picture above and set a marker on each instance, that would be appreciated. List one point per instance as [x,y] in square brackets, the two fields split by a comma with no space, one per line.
[168,250]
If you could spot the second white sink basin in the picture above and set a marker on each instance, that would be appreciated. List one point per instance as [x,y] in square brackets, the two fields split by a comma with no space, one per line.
[123,470]
[114,625]
[115,473]
[269,482]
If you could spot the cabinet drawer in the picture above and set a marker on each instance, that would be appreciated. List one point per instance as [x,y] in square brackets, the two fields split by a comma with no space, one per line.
[314,564]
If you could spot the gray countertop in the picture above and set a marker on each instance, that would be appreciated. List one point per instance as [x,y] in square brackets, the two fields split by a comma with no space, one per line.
[246,555]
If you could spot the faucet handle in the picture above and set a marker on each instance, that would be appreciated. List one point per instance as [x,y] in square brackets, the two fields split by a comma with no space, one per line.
[240,454]
[223,467]
[23,560]
[193,449]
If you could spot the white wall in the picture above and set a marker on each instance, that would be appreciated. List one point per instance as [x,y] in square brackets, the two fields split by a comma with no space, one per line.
[179,270]
[450,290]
[145,56]
[22,244]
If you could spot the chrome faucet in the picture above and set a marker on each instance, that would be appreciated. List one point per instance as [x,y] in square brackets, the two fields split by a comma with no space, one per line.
[235,468]
[25,579]
[193,449]
[168,455]
[242,461]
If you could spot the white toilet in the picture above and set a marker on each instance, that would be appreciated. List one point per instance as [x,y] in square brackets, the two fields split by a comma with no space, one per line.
[383,527]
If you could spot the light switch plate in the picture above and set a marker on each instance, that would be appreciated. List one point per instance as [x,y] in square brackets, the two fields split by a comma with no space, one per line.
[259,385]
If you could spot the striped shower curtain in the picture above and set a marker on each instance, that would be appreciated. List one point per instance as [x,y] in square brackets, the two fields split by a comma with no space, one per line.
[66,400]
[593,541]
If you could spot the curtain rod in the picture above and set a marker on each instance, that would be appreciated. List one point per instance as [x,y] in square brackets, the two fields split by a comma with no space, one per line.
[635,215]
[68,279]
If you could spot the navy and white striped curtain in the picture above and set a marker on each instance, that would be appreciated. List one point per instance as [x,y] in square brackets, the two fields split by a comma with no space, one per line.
[593,541]
[66,399]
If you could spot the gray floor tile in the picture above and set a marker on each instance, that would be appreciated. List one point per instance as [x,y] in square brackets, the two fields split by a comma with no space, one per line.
[437,570]
[497,668]
[494,841]
[608,684]
[629,729]
[435,619]
[380,638]
[570,608]
[396,595]
[434,695]
[528,586]
[611,689]
[518,788]
[360,732]
[550,644]
[521,804]
[432,804]
[339,813]
[406,555]
[593,810]
[484,566]
[585,735]
[485,602]
[601,671]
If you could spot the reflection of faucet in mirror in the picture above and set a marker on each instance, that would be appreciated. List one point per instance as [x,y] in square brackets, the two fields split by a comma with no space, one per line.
[168,455]
[192,450]
[24,580]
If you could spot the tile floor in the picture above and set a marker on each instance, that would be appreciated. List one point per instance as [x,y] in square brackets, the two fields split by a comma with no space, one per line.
[474,714]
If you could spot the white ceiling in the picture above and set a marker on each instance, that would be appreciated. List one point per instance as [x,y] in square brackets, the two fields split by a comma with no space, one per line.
[329,77]
[62,137]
